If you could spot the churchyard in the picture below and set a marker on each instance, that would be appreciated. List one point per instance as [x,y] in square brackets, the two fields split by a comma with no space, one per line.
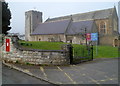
[102,51]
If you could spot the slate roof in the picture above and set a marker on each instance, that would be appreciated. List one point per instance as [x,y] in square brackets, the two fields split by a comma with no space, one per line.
[99,14]
[58,27]
[79,27]
[63,27]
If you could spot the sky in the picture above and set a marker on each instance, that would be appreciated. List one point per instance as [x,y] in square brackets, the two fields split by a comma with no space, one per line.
[52,8]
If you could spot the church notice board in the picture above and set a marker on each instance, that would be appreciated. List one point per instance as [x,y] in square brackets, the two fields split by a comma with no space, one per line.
[92,36]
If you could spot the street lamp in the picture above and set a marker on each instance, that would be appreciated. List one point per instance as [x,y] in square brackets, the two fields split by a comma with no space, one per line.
[85,30]
[85,36]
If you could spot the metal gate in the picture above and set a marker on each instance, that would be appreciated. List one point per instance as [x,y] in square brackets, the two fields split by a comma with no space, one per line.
[83,53]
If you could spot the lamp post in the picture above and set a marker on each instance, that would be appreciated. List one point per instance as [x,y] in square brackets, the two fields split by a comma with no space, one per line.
[85,36]
[85,32]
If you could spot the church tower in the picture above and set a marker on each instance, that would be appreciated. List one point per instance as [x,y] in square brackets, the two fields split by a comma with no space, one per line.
[32,19]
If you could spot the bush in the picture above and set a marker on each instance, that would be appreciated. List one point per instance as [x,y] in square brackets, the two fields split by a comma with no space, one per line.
[17,61]
[27,63]
[21,43]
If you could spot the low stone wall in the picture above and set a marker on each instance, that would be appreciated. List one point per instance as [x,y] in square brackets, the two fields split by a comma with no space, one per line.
[37,57]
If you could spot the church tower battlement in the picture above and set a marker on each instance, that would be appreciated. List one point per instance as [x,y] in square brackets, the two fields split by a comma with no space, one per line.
[32,19]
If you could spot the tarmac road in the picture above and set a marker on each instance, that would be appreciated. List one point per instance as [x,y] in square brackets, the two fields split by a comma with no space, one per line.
[11,76]
[99,71]
[103,71]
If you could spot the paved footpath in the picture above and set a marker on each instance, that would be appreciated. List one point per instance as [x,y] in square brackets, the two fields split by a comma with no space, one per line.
[98,71]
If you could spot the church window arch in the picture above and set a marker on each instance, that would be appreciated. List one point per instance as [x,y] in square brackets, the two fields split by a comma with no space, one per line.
[102,27]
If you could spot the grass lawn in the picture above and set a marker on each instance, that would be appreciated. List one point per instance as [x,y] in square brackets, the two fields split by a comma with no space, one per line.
[43,45]
[105,52]
[102,51]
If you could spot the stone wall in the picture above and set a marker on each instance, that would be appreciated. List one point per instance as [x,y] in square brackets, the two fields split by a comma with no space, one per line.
[50,38]
[107,40]
[32,56]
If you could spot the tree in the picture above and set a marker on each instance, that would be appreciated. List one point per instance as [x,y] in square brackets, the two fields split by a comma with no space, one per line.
[6,16]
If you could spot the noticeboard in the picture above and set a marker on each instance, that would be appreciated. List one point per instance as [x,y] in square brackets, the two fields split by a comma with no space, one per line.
[94,36]
[88,36]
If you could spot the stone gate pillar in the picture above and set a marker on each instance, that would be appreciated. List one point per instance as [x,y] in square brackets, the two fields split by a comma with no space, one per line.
[68,48]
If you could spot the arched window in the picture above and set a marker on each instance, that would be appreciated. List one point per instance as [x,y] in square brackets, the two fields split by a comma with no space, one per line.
[102,29]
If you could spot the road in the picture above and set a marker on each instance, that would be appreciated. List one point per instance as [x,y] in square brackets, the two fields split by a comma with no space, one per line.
[94,72]
[11,76]
[99,71]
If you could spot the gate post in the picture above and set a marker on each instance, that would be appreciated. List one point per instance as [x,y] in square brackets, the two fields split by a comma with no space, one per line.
[69,50]
[92,51]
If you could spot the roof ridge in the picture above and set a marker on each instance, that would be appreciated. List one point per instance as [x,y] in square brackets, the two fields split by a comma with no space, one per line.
[77,14]
[84,20]
[55,21]
[93,11]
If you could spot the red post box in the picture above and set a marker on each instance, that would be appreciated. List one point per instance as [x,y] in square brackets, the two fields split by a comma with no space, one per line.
[7,45]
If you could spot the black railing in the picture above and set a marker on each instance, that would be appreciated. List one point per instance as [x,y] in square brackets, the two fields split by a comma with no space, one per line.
[83,53]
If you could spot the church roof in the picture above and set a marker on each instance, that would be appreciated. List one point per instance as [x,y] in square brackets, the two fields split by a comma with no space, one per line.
[99,14]
[79,27]
[58,27]
[67,27]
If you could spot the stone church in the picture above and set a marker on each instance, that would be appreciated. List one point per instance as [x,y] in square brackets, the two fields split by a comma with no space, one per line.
[72,28]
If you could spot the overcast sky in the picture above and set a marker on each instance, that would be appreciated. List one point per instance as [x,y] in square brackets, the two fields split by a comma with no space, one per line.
[52,9]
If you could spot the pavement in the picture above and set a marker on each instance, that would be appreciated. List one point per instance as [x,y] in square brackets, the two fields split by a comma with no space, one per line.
[98,71]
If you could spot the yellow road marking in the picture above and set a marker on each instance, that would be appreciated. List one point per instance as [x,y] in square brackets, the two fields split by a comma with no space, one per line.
[83,74]
[107,79]
[73,65]
[94,80]
[67,75]
[77,67]
[42,69]
[103,80]
[59,82]
[26,70]
[70,78]
[111,79]
[59,68]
